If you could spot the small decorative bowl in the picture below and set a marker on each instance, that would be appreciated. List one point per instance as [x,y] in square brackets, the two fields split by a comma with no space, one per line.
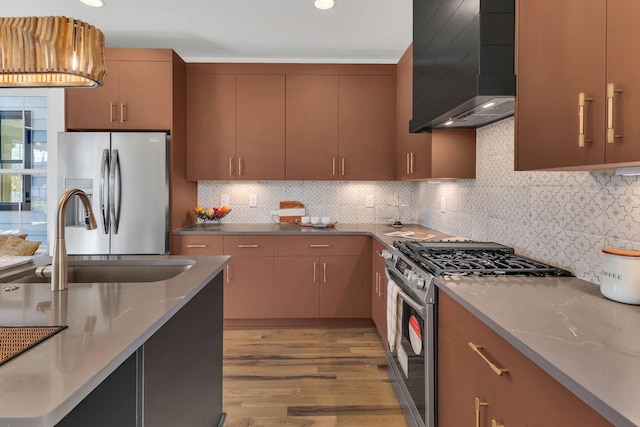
[211,214]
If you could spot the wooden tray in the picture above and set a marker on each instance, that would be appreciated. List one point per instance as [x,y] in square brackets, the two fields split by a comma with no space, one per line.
[319,225]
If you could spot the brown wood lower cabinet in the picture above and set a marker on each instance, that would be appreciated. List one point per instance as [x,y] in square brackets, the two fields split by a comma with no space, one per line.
[378,289]
[472,393]
[248,288]
[321,277]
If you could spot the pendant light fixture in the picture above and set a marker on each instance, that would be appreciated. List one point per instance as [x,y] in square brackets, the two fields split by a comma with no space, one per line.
[50,51]
[323,4]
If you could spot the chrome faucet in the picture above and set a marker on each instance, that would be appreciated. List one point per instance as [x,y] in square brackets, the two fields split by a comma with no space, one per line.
[60,261]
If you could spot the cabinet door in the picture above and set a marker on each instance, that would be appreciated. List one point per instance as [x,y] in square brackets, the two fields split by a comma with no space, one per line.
[94,108]
[379,299]
[560,54]
[260,126]
[413,153]
[211,127]
[367,127]
[312,127]
[248,291]
[144,95]
[296,282]
[453,153]
[458,388]
[623,69]
[344,288]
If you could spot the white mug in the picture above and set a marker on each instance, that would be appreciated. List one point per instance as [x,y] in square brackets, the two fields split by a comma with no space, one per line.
[326,220]
[304,220]
[315,220]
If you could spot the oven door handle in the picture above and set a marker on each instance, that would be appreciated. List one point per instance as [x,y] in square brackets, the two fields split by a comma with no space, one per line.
[420,308]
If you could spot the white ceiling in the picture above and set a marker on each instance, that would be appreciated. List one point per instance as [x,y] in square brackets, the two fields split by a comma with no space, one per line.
[357,31]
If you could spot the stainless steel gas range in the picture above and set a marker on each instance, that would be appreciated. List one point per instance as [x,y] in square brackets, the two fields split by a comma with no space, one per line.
[412,309]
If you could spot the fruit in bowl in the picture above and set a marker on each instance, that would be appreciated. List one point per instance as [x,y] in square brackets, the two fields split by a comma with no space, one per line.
[212,214]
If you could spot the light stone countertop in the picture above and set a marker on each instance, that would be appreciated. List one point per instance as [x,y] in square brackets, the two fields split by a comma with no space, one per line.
[588,343]
[107,323]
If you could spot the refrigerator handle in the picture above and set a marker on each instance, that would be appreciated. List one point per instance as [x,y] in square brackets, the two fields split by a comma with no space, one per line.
[104,207]
[115,196]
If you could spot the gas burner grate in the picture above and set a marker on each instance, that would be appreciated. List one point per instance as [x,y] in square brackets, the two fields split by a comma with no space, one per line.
[474,258]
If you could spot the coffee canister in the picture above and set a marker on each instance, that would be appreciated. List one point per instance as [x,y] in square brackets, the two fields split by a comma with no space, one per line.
[620,279]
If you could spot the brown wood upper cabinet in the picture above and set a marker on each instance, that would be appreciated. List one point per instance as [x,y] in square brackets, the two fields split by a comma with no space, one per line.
[577,84]
[444,153]
[136,94]
[340,127]
[290,121]
[235,126]
[413,150]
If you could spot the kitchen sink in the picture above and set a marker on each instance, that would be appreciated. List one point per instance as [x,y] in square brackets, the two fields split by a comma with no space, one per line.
[108,271]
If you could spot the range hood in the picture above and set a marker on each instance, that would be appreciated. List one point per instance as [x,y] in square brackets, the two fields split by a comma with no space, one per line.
[463,63]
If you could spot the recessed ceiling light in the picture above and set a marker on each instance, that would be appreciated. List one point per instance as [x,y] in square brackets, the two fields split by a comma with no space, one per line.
[323,4]
[93,3]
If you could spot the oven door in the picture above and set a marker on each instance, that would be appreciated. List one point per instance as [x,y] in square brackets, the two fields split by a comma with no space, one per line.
[413,359]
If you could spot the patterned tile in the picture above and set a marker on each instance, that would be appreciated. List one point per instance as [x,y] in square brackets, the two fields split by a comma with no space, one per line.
[563,218]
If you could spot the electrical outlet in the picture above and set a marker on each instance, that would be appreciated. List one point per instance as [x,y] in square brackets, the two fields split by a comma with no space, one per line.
[224,199]
[443,204]
[253,201]
[370,200]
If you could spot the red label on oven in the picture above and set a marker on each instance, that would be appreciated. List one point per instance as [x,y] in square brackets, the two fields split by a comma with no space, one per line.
[415,335]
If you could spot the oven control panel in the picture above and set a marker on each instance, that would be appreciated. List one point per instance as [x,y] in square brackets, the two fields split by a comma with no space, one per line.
[411,273]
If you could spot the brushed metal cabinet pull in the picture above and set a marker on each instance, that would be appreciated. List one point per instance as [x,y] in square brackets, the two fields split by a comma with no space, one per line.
[248,246]
[478,350]
[319,246]
[228,279]
[196,246]
[333,173]
[324,272]
[314,272]
[411,162]
[582,102]
[342,166]
[239,166]
[230,165]
[478,405]
[611,132]
[408,164]
[123,112]
[112,112]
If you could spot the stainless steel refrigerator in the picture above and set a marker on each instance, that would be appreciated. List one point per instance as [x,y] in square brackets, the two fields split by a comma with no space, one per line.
[125,174]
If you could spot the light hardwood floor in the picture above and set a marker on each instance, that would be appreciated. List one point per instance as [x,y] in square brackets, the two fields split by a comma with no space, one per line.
[307,377]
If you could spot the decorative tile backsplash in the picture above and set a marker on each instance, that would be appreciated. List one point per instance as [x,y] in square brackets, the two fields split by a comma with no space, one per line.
[343,201]
[564,218]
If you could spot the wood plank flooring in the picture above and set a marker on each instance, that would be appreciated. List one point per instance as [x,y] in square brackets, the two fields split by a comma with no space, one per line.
[316,377]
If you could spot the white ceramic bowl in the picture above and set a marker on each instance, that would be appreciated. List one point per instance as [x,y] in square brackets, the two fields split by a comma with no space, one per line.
[620,279]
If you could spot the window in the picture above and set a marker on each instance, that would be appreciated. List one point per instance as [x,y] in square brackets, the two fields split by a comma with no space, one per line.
[23,165]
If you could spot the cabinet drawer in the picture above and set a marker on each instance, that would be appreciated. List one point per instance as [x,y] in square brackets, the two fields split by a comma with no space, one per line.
[197,245]
[248,245]
[321,245]
[538,398]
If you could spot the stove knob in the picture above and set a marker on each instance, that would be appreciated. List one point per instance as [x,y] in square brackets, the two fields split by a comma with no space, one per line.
[420,283]
[387,255]
[410,276]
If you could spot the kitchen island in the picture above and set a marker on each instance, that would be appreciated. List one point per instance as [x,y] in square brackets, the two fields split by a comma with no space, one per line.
[584,341]
[144,353]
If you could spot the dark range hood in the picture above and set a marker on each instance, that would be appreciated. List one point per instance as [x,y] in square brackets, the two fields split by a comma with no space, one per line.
[463,63]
